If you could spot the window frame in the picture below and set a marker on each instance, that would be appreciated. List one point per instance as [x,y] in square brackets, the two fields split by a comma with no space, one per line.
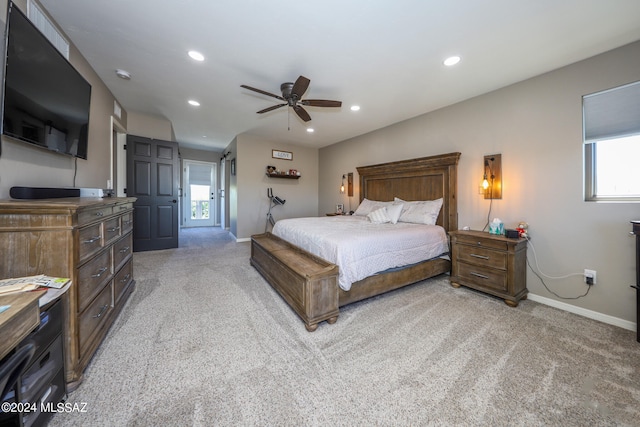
[590,144]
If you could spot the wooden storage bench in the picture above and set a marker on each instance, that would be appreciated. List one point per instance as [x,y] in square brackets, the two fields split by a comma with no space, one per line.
[307,283]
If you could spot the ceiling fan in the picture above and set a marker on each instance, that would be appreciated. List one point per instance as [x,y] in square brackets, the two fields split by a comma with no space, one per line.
[292,96]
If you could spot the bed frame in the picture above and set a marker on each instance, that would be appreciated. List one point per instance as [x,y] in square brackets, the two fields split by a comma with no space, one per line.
[425,178]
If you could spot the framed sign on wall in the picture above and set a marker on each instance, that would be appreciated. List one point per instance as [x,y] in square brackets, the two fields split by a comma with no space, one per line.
[285,155]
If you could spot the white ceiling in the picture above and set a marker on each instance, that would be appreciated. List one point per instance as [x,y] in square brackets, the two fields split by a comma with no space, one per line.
[385,56]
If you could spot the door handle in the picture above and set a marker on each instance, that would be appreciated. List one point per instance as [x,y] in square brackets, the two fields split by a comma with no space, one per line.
[174,201]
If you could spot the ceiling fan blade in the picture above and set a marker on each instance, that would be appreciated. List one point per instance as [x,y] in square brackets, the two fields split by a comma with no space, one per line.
[302,113]
[270,108]
[262,92]
[320,103]
[300,86]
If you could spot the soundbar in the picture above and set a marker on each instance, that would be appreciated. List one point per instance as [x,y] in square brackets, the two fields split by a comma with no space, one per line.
[43,192]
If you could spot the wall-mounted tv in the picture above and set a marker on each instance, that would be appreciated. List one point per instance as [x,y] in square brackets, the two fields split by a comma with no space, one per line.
[46,101]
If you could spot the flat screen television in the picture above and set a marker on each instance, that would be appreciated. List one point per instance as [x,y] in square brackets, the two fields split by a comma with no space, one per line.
[46,101]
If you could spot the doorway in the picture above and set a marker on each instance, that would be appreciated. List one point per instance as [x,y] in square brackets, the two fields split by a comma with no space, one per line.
[199,193]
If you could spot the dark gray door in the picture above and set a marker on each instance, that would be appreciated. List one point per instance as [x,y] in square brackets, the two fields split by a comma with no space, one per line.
[152,177]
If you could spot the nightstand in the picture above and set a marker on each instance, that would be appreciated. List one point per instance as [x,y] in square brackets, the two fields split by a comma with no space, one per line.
[490,263]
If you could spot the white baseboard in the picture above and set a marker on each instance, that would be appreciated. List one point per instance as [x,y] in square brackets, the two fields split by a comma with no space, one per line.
[244,239]
[604,318]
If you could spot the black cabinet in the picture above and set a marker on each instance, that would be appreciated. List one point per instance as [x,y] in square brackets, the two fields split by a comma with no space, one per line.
[636,231]
[42,384]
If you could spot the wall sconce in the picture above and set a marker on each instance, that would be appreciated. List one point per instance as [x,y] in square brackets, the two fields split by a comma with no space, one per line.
[492,176]
[349,178]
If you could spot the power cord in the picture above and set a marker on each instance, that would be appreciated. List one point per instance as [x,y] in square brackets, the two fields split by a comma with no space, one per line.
[75,170]
[490,203]
[488,214]
[539,276]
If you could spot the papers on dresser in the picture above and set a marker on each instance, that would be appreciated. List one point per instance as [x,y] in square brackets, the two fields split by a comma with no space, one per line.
[29,283]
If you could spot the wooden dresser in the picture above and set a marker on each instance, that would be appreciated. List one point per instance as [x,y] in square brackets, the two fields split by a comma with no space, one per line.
[490,263]
[86,239]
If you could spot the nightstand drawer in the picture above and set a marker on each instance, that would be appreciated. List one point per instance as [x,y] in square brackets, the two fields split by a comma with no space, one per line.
[483,242]
[481,256]
[481,276]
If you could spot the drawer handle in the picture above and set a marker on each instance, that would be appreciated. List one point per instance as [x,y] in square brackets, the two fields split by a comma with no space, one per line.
[99,213]
[92,239]
[100,272]
[102,310]
[479,256]
[125,249]
[111,230]
[482,276]
[125,279]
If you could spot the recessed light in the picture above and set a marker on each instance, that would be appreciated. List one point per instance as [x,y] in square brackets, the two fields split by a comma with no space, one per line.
[194,103]
[310,130]
[196,55]
[124,75]
[355,108]
[451,61]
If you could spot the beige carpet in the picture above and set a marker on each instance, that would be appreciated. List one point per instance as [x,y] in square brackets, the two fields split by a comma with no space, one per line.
[205,341]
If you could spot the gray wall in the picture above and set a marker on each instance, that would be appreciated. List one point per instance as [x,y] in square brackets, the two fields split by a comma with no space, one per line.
[248,188]
[537,126]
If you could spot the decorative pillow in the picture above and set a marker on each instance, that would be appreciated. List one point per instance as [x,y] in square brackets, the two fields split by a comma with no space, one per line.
[420,212]
[367,206]
[379,216]
[393,211]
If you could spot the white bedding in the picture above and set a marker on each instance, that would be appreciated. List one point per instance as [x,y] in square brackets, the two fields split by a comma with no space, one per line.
[361,248]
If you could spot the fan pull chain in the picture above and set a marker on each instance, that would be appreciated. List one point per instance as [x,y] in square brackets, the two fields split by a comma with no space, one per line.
[289,119]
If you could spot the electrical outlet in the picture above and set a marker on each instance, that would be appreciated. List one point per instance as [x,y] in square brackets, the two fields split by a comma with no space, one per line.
[589,277]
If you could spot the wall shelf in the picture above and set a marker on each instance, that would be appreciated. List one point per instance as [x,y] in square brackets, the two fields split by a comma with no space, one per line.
[276,175]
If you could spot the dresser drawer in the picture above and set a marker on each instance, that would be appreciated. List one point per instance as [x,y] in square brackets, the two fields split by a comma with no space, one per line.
[122,279]
[126,221]
[112,230]
[94,315]
[121,250]
[482,276]
[92,276]
[122,207]
[86,216]
[482,242]
[479,255]
[90,241]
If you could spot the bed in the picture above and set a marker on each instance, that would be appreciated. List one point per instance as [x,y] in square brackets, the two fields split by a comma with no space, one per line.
[279,261]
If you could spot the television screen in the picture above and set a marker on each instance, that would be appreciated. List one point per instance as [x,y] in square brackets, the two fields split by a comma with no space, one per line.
[46,101]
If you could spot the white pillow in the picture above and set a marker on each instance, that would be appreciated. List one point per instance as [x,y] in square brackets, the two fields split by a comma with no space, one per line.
[367,206]
[394,211]
[420,212]
[379,216]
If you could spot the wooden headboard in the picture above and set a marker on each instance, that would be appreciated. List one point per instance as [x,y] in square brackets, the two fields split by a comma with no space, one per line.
[425,178]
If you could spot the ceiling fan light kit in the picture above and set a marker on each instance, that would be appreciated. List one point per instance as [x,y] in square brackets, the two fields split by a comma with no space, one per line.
[292,97]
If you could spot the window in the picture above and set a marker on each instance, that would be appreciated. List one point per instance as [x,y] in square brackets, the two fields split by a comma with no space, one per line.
[611,121]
